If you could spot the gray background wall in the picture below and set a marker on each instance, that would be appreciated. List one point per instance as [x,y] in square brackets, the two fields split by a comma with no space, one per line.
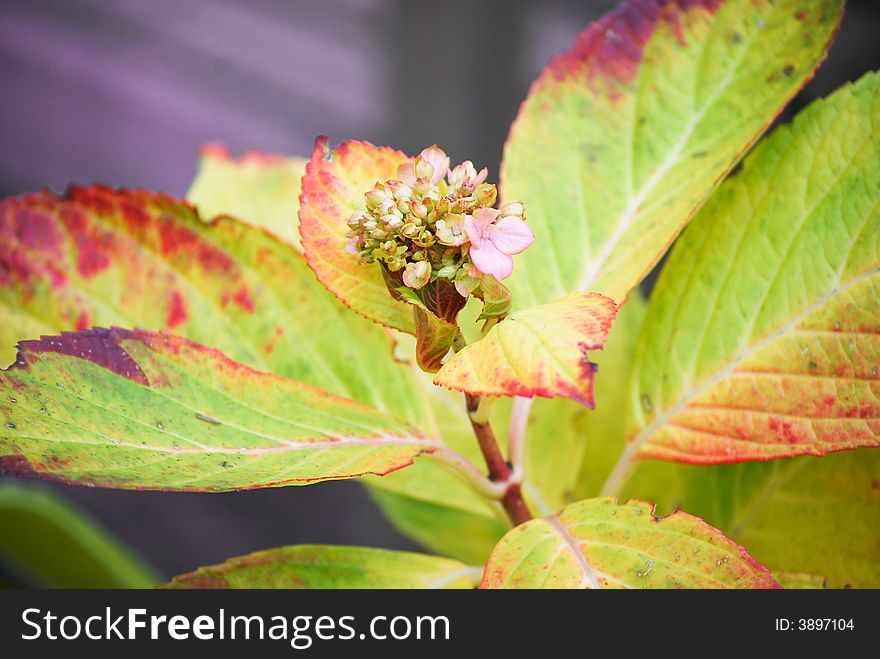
[124,91]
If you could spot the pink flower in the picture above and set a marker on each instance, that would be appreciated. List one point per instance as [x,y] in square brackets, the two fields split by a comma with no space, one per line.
[494,241]
[352,246]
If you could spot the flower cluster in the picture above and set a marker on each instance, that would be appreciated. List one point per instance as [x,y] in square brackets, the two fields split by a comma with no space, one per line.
[436,222]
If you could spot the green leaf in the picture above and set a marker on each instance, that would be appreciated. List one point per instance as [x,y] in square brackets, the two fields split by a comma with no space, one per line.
[496,298]
[810,515]
[323,566]
[433,508]
[260,188]
[332,189]
[762,338]
[597,543]
[52,544]
[434,336]
[98,257]
[542,351]
[625,135]
[133,409]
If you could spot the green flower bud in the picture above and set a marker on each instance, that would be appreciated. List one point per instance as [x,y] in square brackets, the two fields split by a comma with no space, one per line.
[486,193]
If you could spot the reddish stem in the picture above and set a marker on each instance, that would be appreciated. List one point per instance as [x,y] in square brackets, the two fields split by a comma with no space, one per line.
[499,469]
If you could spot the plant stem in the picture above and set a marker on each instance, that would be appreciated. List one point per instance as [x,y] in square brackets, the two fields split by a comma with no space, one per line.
[516,435]
[620,473]
[499,469]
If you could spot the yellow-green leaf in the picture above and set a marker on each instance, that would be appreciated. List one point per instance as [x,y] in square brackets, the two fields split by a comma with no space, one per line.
[624,135]
[324,566]
[762,338]
[542,351]
[260,188]
[597,543]
[810,515]
[133,409]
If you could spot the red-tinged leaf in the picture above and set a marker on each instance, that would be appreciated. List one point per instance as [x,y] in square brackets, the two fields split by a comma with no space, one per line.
[805,514]
[597,543]
[133,409]
[332,189]
[542,351]
[222,283]
[762,338]
[627,133]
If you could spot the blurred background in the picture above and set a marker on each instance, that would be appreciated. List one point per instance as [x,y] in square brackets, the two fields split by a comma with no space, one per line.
[124,92]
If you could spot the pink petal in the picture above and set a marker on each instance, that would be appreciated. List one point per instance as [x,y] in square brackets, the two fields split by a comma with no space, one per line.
[511,235]
[472,231]
[438,159]
[490,261]
[484,217]
[351,246]
[406,174]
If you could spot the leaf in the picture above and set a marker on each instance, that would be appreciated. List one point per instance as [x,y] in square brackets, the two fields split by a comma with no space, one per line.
[809,515]
[762,338]
[260,188]
[625,135]
[799,581]
[132,409]
[540,351]
[597,543]
[569,449]
[434,336]
[433,508]
[98,257]
[602,431]
[332,189]
[38,527]
[279,335]
[496,298]
[325,566]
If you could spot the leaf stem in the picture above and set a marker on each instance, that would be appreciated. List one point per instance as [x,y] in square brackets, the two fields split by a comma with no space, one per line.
[621,473]
[466,470]
[501,474]
[516,435]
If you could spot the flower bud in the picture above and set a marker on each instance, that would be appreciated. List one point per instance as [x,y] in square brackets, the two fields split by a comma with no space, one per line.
[392,221]
[515,208]
[439,161]
[485,194]
[357,219]
[423,170]
[416,275]
[375,197]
